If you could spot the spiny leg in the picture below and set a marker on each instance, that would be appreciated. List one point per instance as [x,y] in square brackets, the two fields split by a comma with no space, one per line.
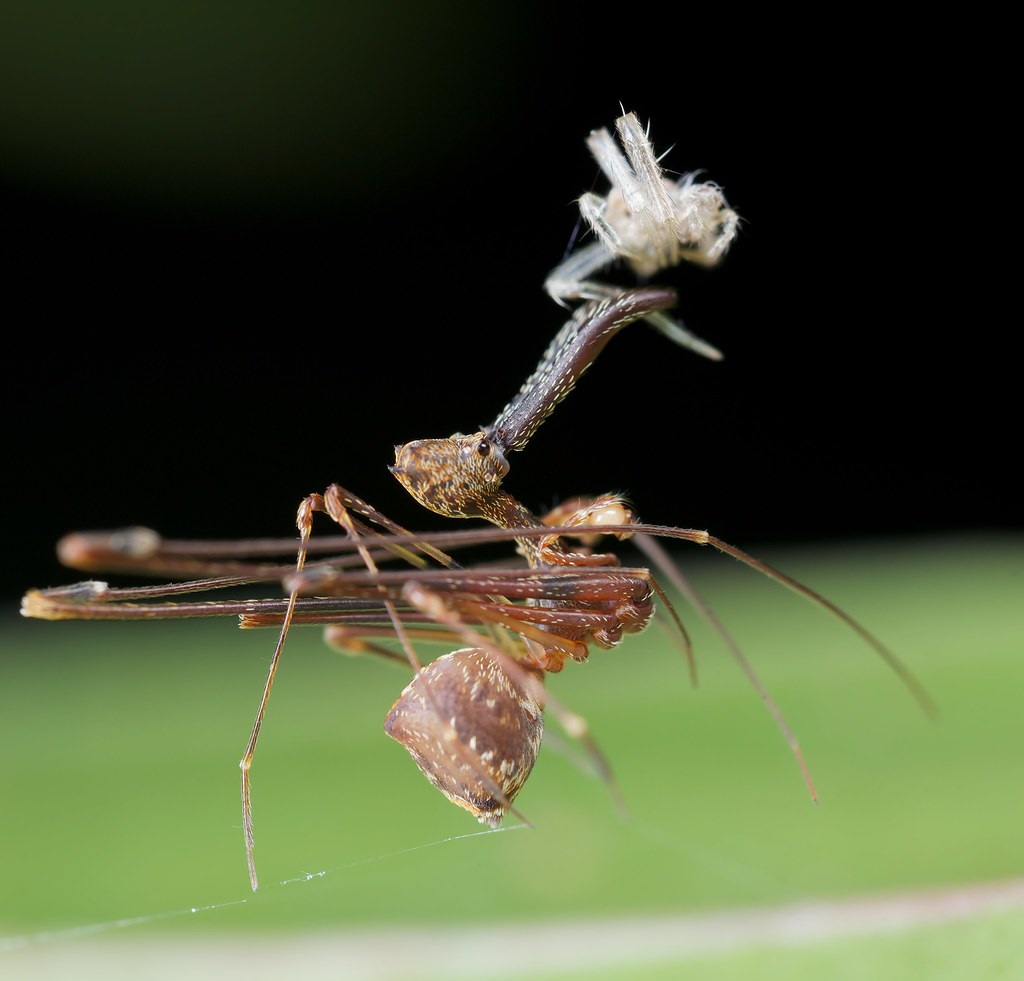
[573,349]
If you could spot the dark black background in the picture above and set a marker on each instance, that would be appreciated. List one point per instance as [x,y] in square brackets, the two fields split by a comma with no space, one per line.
[245,258]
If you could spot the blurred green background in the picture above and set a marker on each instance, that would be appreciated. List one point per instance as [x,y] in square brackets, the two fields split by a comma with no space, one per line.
[122,740]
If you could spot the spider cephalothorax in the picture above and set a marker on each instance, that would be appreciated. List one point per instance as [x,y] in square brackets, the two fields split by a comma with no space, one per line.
[457,476]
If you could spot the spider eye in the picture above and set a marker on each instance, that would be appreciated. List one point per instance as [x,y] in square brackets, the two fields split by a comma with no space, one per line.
[484,448]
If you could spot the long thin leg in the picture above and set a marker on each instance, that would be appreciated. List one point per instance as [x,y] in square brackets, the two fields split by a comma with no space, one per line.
[304,521]
[334,504]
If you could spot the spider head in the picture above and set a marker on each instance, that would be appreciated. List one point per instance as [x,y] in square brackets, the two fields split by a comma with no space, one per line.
[456,476]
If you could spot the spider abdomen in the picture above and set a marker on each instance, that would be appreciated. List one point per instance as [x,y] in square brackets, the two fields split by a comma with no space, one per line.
[472,728]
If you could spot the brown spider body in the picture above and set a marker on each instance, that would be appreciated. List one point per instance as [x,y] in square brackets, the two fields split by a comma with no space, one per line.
[472,720]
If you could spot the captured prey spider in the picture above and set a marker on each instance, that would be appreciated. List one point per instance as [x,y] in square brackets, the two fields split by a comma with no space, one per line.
[647,220]
[473,719]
